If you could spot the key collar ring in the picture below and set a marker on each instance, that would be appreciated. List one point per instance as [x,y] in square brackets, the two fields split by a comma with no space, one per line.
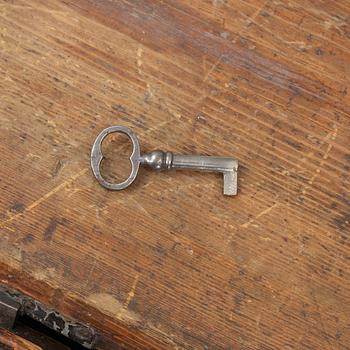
[97,157]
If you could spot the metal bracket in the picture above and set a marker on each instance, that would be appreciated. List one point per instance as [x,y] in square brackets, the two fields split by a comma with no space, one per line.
[8,311]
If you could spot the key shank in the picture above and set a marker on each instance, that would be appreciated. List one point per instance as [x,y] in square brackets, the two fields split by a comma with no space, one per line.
[160,160]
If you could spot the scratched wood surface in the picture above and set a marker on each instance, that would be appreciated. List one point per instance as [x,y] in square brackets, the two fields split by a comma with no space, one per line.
[171,263]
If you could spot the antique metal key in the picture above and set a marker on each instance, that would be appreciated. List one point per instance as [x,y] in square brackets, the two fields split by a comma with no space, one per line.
[159,160]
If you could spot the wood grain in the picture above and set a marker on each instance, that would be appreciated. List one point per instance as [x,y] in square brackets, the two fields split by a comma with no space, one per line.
[171,263]
[10,341]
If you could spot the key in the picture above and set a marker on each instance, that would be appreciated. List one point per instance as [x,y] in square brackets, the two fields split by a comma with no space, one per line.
[160,160]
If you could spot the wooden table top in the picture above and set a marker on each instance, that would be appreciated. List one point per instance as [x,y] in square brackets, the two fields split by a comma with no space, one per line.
[171,263]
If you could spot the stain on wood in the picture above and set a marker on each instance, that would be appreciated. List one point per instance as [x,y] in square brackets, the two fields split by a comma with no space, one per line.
[171,263]
[52,227]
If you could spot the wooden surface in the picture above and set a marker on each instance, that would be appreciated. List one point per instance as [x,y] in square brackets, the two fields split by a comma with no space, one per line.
[171,263]
[10,341]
